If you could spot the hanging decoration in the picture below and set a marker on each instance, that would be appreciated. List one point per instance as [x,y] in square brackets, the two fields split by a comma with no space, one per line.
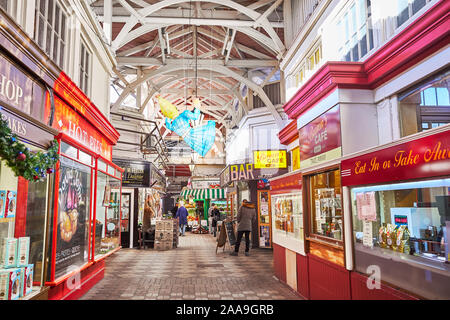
[200,138]
[33,166]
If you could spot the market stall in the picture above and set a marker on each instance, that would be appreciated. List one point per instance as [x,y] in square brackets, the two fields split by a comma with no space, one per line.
[198,204]
[398,200]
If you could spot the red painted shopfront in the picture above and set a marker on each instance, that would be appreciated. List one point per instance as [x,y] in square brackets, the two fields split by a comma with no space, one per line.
[85,225]
[332,268]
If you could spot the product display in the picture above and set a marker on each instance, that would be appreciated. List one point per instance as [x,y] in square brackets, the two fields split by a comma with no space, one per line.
[8,252]
[288,216]
[10,284]
[11,204]
[2,203]
[264,221]
[23,249]
[26,276]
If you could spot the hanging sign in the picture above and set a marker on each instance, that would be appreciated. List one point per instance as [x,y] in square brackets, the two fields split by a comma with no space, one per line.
[320,140]
[270,159]
[425,157]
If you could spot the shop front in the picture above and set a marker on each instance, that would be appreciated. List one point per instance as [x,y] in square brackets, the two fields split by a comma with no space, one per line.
[399,203]
[198,203]
[25,202]
[135,181]
[288,231]
[85,226]
[250,181]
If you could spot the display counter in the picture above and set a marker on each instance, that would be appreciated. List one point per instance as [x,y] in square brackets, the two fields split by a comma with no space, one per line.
[401,214]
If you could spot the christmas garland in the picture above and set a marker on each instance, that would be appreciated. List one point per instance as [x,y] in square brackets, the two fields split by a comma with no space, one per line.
[33,166]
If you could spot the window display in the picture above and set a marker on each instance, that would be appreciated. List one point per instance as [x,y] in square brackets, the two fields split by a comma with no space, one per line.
[326,204]
[265,240]
[74,201]
[107,229]
[288,215]
[406,218]
[22,232]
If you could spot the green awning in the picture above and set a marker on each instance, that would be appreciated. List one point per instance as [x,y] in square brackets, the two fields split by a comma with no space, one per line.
[209,193]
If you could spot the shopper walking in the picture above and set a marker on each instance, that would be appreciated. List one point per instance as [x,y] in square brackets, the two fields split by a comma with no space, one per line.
[182,214]
[210,218]
[245,218]
[215,213]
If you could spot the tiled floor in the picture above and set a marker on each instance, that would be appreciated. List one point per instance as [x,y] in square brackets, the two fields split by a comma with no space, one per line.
[191,271]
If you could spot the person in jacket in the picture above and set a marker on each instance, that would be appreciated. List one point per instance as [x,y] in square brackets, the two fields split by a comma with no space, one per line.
[245,218]
[182,214]
[215,213]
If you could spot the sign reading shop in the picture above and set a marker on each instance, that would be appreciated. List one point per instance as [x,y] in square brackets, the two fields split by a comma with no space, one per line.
[19,90]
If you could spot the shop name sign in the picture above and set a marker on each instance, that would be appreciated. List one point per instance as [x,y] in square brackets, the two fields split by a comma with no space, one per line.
[270,159]
[136,173]
[17,88]
[286,183]
[71,123]
[320,140]
[247,171]
[424,157]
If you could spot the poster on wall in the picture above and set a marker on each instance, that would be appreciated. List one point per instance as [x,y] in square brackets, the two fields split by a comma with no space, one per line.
[73,210]
[366,206]
[320,140]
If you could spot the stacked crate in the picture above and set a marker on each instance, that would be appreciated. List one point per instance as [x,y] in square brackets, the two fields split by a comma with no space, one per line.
[164,234]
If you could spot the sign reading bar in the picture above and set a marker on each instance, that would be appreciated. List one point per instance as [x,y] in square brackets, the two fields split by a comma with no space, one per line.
[320,140]
[270,159]
[247,171]
[422,158]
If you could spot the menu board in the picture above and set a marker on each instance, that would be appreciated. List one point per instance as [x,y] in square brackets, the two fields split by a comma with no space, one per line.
[231,236]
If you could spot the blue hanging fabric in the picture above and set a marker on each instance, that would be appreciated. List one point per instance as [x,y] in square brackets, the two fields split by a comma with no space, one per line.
[200,139]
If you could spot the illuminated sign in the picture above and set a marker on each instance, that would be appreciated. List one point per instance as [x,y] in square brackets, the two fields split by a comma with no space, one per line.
[270,159]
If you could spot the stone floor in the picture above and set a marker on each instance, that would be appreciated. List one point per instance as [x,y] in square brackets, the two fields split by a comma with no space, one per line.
[193,271]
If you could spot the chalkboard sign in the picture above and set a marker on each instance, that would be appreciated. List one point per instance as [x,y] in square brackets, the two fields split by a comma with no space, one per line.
[231,236]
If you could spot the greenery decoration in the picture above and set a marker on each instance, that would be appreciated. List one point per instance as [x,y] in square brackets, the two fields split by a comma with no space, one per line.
[33,166]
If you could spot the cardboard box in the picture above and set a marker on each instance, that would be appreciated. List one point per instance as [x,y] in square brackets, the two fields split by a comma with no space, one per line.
[11,204]
[168,225]
[8,253]
[26,276]
[2,203]
[10,284]
[159,225]
[167,245]
[23,251]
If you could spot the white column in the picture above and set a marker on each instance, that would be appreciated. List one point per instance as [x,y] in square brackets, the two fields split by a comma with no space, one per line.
[107,22]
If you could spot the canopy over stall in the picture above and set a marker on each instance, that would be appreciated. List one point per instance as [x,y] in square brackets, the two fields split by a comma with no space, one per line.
[207,193]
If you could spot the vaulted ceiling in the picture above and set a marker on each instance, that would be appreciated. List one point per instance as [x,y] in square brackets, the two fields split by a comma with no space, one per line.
[215,49]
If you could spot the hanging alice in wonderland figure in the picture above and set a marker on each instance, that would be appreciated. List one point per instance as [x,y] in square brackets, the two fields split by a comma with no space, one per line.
[199,138]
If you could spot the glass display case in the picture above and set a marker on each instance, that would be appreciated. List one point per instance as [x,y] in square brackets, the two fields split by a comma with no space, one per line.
[287,214]
[326,205]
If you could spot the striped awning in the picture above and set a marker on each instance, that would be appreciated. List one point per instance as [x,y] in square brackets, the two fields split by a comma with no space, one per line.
[213,193]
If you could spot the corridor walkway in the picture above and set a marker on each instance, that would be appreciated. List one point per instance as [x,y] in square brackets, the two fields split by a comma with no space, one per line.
[192,271]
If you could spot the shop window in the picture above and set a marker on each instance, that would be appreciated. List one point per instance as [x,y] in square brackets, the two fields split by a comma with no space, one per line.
[4,5]
[85,59]
[407,222]
[24,223]
[101,165]
[50,30]
[74,201]
[355,26]
[107,228]
[287,214]
[405,9]
[326,205]
[425,106]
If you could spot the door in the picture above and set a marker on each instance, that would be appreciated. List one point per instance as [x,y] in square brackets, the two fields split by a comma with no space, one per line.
[125,223]
[264,219]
